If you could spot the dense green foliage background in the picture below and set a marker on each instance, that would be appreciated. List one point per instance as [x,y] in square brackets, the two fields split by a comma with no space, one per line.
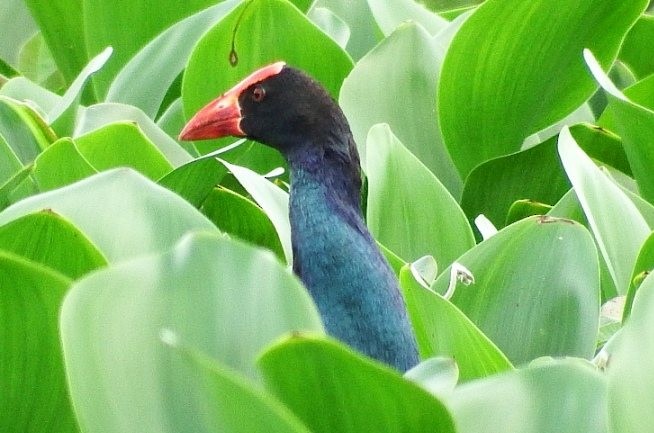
[145,283]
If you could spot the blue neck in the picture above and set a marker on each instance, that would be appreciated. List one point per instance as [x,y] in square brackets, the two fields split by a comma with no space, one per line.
[338,261]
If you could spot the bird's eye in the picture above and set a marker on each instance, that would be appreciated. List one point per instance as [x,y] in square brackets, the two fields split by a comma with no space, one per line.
[258,94]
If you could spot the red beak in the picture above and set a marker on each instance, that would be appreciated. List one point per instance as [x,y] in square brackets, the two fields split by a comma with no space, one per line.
[222,116]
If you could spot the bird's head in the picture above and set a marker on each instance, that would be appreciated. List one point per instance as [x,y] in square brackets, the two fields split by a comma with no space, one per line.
[276,105]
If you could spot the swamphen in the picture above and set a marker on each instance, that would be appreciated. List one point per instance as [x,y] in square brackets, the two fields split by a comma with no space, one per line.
[334,254]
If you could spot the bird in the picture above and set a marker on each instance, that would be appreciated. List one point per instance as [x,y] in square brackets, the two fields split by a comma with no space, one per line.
[334,255]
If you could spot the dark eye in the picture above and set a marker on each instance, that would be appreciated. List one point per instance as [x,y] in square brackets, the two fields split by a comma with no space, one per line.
[258,94]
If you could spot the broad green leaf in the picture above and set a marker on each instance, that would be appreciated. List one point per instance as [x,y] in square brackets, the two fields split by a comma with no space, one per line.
[267,31]
[235,405]
[62,116]
[34,393]
[438,376]
[240,217]
[631,382]
[495,90]
[36,63]
[557,397]
[601,145]
[60,164]
[145,79]
[320,379]
[272,199]
[172,122]
[452,14]
[635,124]
[634,49]
[409,210]
[48,239]
[365,33]
[17,27]
[120,211]
[22,89]
[218,295]
[100,115]
[14,186]
[443,330]
[522,209]
[123,145]
[23,130]
[534,174]
[61,23]
[105,25]
[536,290]
[641,92]
[331,24]
[494,185]
[194,180]
[643,266]
[401,70]
[9,163]
[617,225]
[390,14]
[6,71]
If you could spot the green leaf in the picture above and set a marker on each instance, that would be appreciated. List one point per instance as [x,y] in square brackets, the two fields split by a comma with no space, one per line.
[494,185]
[48,239]
[601,145]
[494,88]
[25,133]
[145,79]
[402,69]
[557,397]
[123,145]
[402,189]
[105,25]
[527,274]
[63,30]
[6,71]
[62,116]
[390,14]
[522,209]
[268,30]
[272,199]
[100,115]
[635,124]
[643,267]
[194,180]
[35,397]
[18,26]
[36,63]
[630,378]
[22,89]
[240,217]
[9,163]
[617,225]
[235,405]
[319,379]
[438,376]
[120,211]
[60,164]
[634,49]
[331,24]
[365,33]
[218,295]
[14,186]
[443,330]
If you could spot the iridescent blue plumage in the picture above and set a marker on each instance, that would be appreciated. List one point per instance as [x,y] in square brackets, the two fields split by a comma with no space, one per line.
[338,261]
